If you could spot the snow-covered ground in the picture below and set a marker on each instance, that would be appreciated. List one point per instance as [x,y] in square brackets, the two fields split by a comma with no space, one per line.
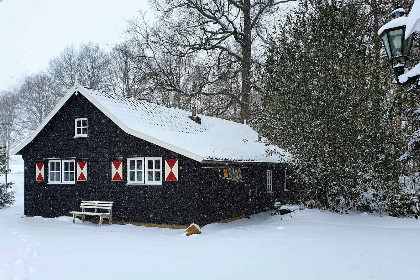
[308,244]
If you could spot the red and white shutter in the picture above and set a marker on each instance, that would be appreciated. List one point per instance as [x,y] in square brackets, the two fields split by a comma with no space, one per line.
[116,170]
[81,171]
[171,170]
[39,171]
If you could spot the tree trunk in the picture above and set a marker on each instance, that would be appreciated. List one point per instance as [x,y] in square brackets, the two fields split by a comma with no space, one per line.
[246,62]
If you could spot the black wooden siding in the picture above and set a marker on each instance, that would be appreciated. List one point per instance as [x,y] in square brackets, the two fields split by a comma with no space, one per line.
[201,195]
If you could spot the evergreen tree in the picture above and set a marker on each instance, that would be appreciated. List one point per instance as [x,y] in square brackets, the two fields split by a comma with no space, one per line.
[6,196]
[323,101]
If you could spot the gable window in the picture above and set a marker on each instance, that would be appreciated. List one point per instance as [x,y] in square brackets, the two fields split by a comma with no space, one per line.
[154,170]
[135,168]
[61,171]
[269,181]
[81,127]
[144,170]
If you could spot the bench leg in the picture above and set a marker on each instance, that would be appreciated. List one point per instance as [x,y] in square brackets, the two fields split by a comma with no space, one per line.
[100,220]
[74,217]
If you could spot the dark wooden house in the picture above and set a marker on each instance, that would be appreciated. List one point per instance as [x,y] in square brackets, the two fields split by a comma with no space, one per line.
[157,164]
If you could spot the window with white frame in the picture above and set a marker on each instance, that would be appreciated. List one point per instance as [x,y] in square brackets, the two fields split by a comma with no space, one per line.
[146,170]
[153,171]
[135,173]
[269,181]
[54,168]
[81,127]
[69,171]
[62,171]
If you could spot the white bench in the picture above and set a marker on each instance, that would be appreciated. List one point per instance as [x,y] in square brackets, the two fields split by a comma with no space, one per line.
[276,207]
[102,209]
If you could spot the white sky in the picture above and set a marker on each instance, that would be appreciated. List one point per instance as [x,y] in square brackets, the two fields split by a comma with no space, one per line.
[34,31]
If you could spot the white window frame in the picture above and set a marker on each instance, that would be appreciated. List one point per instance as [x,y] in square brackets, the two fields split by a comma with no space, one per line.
[49,172]
[285,180]
[61,172]
[135,182]
[269,181]
[154,170]
[144,168]
[78,123]
[70,171]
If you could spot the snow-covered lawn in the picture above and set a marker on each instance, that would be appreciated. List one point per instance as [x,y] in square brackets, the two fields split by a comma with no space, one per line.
[308,244]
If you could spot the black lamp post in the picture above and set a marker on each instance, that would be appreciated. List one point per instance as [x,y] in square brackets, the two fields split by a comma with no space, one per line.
[396,46]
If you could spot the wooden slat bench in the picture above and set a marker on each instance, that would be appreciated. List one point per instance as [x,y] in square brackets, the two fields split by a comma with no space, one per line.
[102,209]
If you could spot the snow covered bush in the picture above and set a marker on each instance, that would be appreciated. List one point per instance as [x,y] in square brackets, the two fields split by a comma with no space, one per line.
[402,204]
[6,196]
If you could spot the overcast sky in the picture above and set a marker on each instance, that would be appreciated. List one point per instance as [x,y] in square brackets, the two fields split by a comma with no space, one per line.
[34,31]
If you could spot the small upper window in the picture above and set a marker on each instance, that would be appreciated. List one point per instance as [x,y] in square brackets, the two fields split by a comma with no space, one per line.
[81,127]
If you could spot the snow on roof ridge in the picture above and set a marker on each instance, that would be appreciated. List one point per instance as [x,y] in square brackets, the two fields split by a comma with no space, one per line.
[214,139]
[141,102]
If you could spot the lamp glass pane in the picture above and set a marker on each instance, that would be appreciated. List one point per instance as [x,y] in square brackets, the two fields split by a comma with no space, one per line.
[386,44]
[395,40]
[407,45]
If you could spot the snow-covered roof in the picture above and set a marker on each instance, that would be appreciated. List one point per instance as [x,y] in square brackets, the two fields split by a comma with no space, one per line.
[411,22]
[413,19]
[413,72]
[396,22]
[214,139]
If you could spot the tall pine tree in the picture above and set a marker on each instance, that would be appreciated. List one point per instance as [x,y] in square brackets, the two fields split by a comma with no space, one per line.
[323,101]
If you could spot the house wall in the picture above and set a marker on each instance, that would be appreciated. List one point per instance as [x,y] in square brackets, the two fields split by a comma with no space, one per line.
[201,194]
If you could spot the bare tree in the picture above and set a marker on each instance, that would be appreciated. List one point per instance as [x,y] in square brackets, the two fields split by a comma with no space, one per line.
[10,128]
[39,94]
[127,77]
[64,68]
[218,36]
[121,69]
[89,64]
